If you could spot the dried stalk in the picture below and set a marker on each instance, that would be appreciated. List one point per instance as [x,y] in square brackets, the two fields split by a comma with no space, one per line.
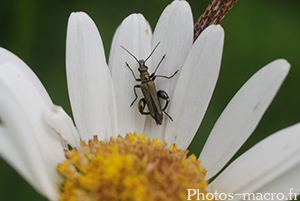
[214,14]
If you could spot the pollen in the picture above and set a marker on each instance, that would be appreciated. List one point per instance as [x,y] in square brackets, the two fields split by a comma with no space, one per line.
[133,168]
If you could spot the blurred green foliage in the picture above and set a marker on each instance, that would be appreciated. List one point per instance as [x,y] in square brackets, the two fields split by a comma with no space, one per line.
[256,32]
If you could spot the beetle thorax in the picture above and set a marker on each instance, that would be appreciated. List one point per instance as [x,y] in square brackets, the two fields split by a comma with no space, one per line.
[144,76]
[143,69]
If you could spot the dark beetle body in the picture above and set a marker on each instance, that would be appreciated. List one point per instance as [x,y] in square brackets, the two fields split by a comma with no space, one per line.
[148,88]
[151,98]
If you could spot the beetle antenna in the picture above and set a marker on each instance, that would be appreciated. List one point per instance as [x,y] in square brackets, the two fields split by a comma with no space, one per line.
[130,53]
[152,52]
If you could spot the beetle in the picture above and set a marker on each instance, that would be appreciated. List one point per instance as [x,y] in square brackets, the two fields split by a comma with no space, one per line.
[148,88]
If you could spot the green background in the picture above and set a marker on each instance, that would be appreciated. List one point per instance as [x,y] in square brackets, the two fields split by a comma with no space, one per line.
[256,33]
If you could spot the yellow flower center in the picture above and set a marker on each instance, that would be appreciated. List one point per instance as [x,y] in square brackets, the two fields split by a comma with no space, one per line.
[131,169]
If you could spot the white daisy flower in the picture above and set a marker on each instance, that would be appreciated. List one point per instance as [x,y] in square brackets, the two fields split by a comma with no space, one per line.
[34,132]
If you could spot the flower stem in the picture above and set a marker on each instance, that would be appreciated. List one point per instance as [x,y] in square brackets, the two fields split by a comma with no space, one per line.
[214,14]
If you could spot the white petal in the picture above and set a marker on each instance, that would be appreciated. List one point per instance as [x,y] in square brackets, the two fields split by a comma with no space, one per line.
[25,141]
[8,57]
[58,121]
[134,35]
[89,82]
[195,86]
[116,36]
[18,146]
[174,32]
[288,182]
[242,115]
[274,159]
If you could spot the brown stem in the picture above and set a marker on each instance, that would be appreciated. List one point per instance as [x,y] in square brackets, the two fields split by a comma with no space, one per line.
[214,14]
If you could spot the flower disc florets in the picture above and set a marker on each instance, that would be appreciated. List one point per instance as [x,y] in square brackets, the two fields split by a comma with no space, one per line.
[131,168]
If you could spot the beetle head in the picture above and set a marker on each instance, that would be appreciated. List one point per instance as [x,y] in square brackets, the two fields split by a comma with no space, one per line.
[142,68]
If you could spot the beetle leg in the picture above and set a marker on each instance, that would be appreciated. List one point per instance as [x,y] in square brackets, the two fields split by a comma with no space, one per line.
[162,94]
[136,79]
[142,105]
[136,96]
[166,76]
[157,66]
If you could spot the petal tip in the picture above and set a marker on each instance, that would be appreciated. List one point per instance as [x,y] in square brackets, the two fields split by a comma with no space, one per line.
[281,66]
[178,2]
[216,28]
[134,17]
[76,16]
[283,63]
